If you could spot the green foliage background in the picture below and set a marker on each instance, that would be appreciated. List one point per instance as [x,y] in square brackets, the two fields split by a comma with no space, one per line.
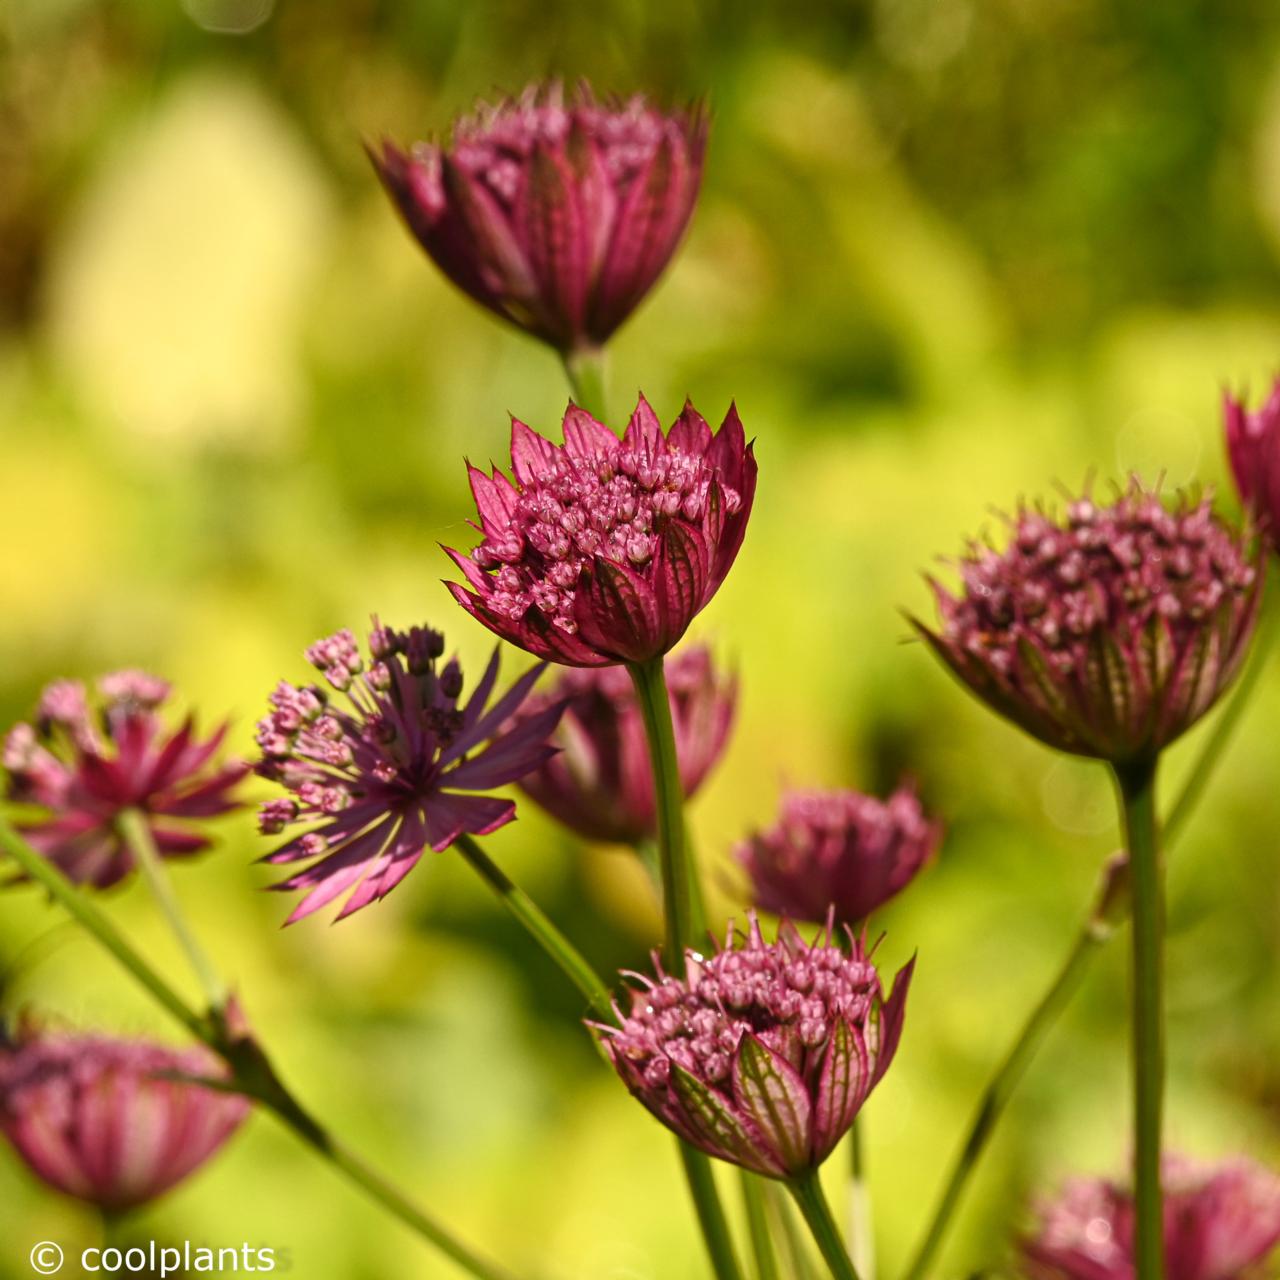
[950,253]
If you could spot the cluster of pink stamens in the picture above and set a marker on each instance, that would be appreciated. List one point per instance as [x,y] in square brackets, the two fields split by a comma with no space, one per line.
[789,998]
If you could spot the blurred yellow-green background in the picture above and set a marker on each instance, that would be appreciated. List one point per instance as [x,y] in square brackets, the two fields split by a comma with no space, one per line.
[949,253]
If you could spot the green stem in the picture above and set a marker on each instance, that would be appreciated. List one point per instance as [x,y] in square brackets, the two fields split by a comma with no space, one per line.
[251,1072]
[684,925]
[711,1219]
[998,1092]
[1214,748]
[586,373]
[862,1244]
[135,830]
[800,1265]
[539,927]
[1137,795]
[35,866]
[753,1191]
[807,1191]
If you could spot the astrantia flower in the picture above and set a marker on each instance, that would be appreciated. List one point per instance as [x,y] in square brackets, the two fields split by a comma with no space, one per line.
[85,770]
[1253,445]
[1220,1221]
[838,851]
[601,783]
[387,772]
[602,551]
[104,1120]
[1108,633]
[763,1053]
[557,214]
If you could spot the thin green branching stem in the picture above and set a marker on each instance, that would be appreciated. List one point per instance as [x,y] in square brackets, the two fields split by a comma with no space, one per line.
[753,1191]
[251,1071]
[136,832]
[539,927]
[587,378]
[795,1246]
[998,1092]
[1136,784]
[807,1192]
[862,1243]
[35,866]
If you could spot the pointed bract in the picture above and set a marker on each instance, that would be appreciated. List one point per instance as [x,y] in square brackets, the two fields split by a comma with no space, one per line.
[763,1053]
[604,551]
[1109,633]
[556,214]
[386,776]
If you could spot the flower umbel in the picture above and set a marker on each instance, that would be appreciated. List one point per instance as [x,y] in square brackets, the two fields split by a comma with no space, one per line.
[85,770]
[1107,633]
[838,851]
[603,551]
[1253,445]
[386,775]
[557,213]
[1220,1221]
[601,783]
[106,1121]
[763,1053]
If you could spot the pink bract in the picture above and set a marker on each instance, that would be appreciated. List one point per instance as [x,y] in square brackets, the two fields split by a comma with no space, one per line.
[602,551]
[84,770]
[1253,446]
[557,213]
[600,785]
[838,852]
[763,1053]
[103,1119]
[396,770]
[1108,633]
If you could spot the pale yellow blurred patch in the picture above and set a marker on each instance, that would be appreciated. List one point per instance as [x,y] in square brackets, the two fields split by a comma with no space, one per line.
[176,298]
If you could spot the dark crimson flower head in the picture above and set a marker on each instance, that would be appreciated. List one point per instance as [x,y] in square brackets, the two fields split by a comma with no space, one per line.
[106,1121]
[602,551]
[1107,633]
[1220,1222]
[397,769]
[83,771]
[557,213]
[1253,445]
[763,1053]
[838,852]
[601,783]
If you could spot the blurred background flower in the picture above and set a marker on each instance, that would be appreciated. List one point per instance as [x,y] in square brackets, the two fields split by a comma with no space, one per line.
[946,254]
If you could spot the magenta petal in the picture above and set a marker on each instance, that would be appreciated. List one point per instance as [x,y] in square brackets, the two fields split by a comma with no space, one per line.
[617,613]
[584,437]
[450,815]
[644,431]
[555,239]
[892,1014]
[720,1128]
[531,454]
[843,1085]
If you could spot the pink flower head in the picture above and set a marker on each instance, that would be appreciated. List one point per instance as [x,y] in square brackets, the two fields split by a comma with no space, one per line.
[556,213]
[103,1119]
[1220,1221]
[1108,633]
[84,772]
[602,551]
[601,783]
[763,1053]
[838,851]
[386,775]
[1253,445]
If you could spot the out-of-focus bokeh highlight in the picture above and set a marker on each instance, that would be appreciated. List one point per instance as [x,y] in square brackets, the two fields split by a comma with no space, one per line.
[948,254]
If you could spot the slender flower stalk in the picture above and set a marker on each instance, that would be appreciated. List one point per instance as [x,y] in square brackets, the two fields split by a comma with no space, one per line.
[862,1241]
[136,834]
[538,926]
[587,371]
[808,1194]
[681,892]
[753,1204]
[252,1072]
[1136,784]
